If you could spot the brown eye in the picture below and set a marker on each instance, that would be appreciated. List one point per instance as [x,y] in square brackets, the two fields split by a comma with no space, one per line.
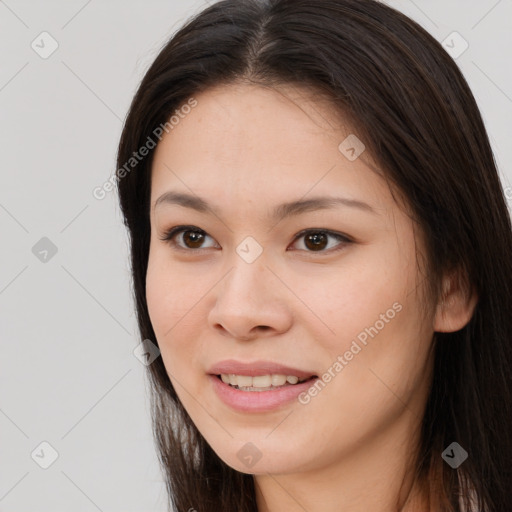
[316,240]
[191,237]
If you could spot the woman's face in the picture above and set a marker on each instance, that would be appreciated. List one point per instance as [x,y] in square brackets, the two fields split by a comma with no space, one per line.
[250,288]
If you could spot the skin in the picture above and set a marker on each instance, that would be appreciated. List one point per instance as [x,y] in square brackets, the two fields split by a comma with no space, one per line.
[245,149]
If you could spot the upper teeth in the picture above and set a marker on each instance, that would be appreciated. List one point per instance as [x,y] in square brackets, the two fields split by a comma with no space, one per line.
[261,381]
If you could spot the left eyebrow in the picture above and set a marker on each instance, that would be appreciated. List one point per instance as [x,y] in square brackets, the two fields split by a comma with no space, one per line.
[280,212]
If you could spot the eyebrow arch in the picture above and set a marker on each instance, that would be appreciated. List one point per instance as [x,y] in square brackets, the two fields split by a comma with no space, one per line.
[280,212]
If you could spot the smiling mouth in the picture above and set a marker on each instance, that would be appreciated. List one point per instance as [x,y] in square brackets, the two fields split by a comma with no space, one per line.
[262,382]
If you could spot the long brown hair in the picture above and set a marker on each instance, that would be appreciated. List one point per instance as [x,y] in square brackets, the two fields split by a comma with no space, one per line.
[420,122]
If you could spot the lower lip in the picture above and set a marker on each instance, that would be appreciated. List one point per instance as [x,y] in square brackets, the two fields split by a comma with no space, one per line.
[258,401]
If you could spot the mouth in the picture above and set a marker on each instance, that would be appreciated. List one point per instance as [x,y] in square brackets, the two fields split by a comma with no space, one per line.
[258,386]
[253,394]
[259,383]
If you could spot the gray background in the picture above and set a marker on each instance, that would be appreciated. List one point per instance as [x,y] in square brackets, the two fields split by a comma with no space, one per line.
[68,375]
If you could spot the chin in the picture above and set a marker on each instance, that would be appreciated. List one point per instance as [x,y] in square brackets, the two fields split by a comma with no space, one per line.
[261,457]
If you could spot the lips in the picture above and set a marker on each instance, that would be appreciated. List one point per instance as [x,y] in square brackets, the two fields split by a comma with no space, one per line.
[258,368]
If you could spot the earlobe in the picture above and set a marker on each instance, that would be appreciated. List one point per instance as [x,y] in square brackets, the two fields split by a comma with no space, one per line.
[456,306]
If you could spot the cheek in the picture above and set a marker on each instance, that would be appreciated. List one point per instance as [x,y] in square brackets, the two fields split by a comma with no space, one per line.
[373,309]
[378,353]
[174,291]
[348,301]
[171,297]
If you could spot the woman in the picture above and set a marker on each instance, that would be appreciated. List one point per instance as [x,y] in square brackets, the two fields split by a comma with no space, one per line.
[321,251]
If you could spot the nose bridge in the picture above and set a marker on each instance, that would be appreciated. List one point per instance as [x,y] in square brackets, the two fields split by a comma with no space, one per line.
[249,297]
[248,277]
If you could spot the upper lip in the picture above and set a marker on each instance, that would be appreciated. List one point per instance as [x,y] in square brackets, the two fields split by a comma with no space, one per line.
[231,366]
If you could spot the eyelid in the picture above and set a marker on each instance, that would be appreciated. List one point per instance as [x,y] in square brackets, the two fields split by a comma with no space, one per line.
[344,239]
[170,234]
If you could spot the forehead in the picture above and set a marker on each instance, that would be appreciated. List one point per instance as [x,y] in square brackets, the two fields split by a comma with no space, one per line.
[246,141]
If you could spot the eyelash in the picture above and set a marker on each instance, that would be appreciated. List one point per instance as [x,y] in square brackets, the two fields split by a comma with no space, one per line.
[170,234]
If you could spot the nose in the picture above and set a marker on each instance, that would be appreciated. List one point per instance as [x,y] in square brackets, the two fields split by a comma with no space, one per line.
[250,302]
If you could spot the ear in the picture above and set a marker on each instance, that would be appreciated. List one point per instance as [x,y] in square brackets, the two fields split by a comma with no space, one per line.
[457,304]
